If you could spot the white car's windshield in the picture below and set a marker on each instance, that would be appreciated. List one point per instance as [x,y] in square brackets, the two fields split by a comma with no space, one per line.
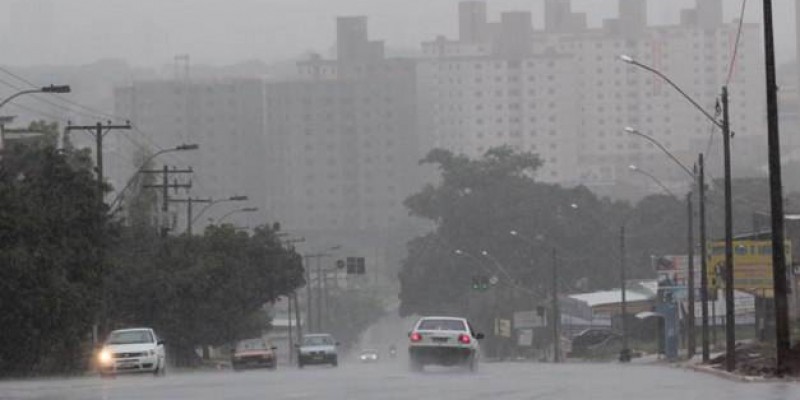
[130,337]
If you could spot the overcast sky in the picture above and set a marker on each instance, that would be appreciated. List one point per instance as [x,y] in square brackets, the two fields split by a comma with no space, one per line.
[152,32]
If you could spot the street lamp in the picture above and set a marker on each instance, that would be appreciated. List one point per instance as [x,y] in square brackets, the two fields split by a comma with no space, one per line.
[182,147]
[232,198]
[45,89]
[636,169]
[658,144]
[724,125]
[239,210]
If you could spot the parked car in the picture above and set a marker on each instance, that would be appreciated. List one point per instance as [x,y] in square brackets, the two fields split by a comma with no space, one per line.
[132,350]
[254,353]
[317,348]
[446,341]
[596,342]
[369,356]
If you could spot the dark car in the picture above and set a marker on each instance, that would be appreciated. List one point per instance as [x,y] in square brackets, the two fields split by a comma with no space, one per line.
[254,353]
[596,342]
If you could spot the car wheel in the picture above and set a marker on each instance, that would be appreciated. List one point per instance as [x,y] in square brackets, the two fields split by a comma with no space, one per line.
[157,369]
[335,362]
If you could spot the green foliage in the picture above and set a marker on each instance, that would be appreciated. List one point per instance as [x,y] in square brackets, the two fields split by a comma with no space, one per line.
[201,290]
[478,202]
[52,237]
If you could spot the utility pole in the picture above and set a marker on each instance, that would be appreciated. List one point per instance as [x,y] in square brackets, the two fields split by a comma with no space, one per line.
[297,317]
[189,202]
[99,131]
[730,322]
[556,311]
[690,340]
[701,177]
[165,186]
[624,355]
[307,267]
[780,286]
[289,319]
[319,294]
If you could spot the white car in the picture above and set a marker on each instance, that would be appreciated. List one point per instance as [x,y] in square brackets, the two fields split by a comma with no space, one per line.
[445,341]
[132,350]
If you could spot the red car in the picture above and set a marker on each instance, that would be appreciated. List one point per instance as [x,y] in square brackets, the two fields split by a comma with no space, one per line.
[254,353]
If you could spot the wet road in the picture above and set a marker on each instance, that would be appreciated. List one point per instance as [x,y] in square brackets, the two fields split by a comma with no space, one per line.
[495,381]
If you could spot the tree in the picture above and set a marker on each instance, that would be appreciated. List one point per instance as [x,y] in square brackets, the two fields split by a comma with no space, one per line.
[52,233]
[203,290]
[478,202]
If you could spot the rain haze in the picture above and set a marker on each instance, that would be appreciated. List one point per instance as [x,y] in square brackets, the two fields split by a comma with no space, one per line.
[151,32]
[399,199]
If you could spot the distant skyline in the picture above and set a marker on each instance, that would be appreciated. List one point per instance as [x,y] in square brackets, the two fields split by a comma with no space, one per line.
[151,32]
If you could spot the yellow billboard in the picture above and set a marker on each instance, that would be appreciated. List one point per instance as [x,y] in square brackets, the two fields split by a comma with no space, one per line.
[752,265]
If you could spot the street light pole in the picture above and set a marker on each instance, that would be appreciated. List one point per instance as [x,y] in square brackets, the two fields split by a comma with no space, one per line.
[654,179]
[45,89]
[121,193]
[701,183]
[211,204]
[774,178]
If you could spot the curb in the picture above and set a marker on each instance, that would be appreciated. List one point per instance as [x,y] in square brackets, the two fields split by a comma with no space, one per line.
[729,375]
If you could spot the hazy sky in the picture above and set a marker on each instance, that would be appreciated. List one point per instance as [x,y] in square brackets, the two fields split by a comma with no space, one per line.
[152,32]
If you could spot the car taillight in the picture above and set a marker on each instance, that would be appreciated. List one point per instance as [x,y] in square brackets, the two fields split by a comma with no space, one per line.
[464,339]
[416,337]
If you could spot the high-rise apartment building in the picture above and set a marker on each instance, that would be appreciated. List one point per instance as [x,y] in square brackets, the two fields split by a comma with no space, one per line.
[343,138]
[564,93]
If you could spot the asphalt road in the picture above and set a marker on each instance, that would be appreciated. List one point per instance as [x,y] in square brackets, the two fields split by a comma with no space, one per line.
[391,380]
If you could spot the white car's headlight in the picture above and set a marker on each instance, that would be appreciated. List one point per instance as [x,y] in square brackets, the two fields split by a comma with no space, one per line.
[151,352]
[104,357]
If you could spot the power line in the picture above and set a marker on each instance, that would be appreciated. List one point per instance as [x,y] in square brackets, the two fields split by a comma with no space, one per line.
[732,64]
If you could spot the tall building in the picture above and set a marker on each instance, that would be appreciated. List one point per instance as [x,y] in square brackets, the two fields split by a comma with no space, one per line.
[343,146]
[224,117]
[564,93]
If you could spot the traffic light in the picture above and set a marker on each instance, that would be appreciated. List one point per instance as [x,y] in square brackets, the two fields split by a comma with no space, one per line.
[480,283]
[484,283]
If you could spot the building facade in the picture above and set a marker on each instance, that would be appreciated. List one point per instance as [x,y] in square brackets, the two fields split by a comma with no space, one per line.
[564,93]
